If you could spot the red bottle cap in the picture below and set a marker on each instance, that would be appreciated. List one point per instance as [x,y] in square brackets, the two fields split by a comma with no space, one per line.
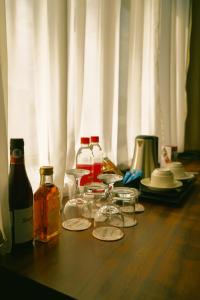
[94,139]
[85,140]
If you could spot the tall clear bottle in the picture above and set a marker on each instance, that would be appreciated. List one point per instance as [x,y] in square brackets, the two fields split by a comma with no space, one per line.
[46,212]
[20,197]
[84,160]
[98,157]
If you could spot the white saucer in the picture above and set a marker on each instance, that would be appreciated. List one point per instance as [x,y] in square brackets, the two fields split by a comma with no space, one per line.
[186,177]
[147,182]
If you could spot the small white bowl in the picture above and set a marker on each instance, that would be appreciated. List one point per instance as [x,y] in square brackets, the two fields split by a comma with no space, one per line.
[179,171]
[161,178]
[177,168]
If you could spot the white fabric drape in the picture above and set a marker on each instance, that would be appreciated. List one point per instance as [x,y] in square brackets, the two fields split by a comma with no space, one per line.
[173,63]
[37,68]
[91,67]
[127,72]
[158,44]
[93,74]
[4,208]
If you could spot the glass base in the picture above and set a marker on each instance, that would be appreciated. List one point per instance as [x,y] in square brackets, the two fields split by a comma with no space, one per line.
[108,233]
[76,224]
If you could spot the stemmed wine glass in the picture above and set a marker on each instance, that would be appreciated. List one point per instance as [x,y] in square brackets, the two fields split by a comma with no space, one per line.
[109,179]
[76,209]
[108,219]
[78,174]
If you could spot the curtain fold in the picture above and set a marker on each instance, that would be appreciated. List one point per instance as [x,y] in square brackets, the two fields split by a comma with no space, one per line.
[93,55]
[37,69]
[173,70]
[4,206]
[158,41]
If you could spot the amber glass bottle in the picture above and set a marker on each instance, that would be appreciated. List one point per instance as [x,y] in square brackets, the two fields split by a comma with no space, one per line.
[46,208]
[20,197]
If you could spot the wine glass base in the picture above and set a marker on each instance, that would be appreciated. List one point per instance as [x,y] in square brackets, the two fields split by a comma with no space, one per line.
[128,222]
[108,233]
[76,224]
[139,208]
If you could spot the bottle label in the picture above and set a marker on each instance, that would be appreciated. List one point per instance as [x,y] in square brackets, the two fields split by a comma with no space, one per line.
[23,225]
[17,157]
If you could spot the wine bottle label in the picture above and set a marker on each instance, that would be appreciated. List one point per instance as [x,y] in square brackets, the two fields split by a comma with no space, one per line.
[17,157]
[23,225]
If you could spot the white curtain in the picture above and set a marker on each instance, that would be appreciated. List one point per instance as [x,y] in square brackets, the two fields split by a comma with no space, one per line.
[113,68]
[127,73]
[4,208]
[37,86]
[93,74]
[158,41]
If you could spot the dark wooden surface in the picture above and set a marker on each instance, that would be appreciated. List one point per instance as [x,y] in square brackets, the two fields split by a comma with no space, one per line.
[157,259]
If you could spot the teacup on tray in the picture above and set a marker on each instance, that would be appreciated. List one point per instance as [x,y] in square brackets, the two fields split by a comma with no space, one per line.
[179,171]
[161,178]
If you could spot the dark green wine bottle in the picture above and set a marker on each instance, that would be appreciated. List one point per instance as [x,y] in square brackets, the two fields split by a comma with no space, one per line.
[20,197]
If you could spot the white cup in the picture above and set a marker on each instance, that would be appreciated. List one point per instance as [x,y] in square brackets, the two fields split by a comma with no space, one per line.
[177,168]
[162,178]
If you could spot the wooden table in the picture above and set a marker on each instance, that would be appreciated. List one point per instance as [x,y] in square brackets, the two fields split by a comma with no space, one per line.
[157,259]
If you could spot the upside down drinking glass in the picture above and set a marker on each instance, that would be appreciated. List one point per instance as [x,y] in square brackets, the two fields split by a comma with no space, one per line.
[76,215]
[126,200]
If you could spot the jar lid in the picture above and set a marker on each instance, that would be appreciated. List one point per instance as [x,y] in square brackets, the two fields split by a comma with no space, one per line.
[85,140]
[94,139]
[46,170]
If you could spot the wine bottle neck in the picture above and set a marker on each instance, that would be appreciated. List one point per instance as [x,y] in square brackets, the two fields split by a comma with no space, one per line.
[17,156]
[17,160]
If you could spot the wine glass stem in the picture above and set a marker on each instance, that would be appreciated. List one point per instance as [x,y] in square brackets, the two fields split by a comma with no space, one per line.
[77,186]
[110,188]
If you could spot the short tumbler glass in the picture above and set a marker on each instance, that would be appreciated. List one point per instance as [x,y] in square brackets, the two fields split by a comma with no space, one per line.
[76,215]
[108,223]
[126,200]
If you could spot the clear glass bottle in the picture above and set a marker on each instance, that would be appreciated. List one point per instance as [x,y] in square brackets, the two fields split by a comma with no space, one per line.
[98,157]
[46,209]
[20,197]
[84,160]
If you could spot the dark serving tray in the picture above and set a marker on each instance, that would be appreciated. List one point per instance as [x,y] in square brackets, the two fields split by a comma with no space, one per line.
[174,196]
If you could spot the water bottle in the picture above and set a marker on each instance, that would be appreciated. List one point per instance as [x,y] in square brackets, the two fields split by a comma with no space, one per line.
[84,160]
[98,157]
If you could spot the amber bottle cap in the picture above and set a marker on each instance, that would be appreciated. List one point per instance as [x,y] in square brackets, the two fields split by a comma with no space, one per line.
[46,170]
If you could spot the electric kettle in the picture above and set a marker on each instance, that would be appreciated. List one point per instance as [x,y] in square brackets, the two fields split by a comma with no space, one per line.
[145,157]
